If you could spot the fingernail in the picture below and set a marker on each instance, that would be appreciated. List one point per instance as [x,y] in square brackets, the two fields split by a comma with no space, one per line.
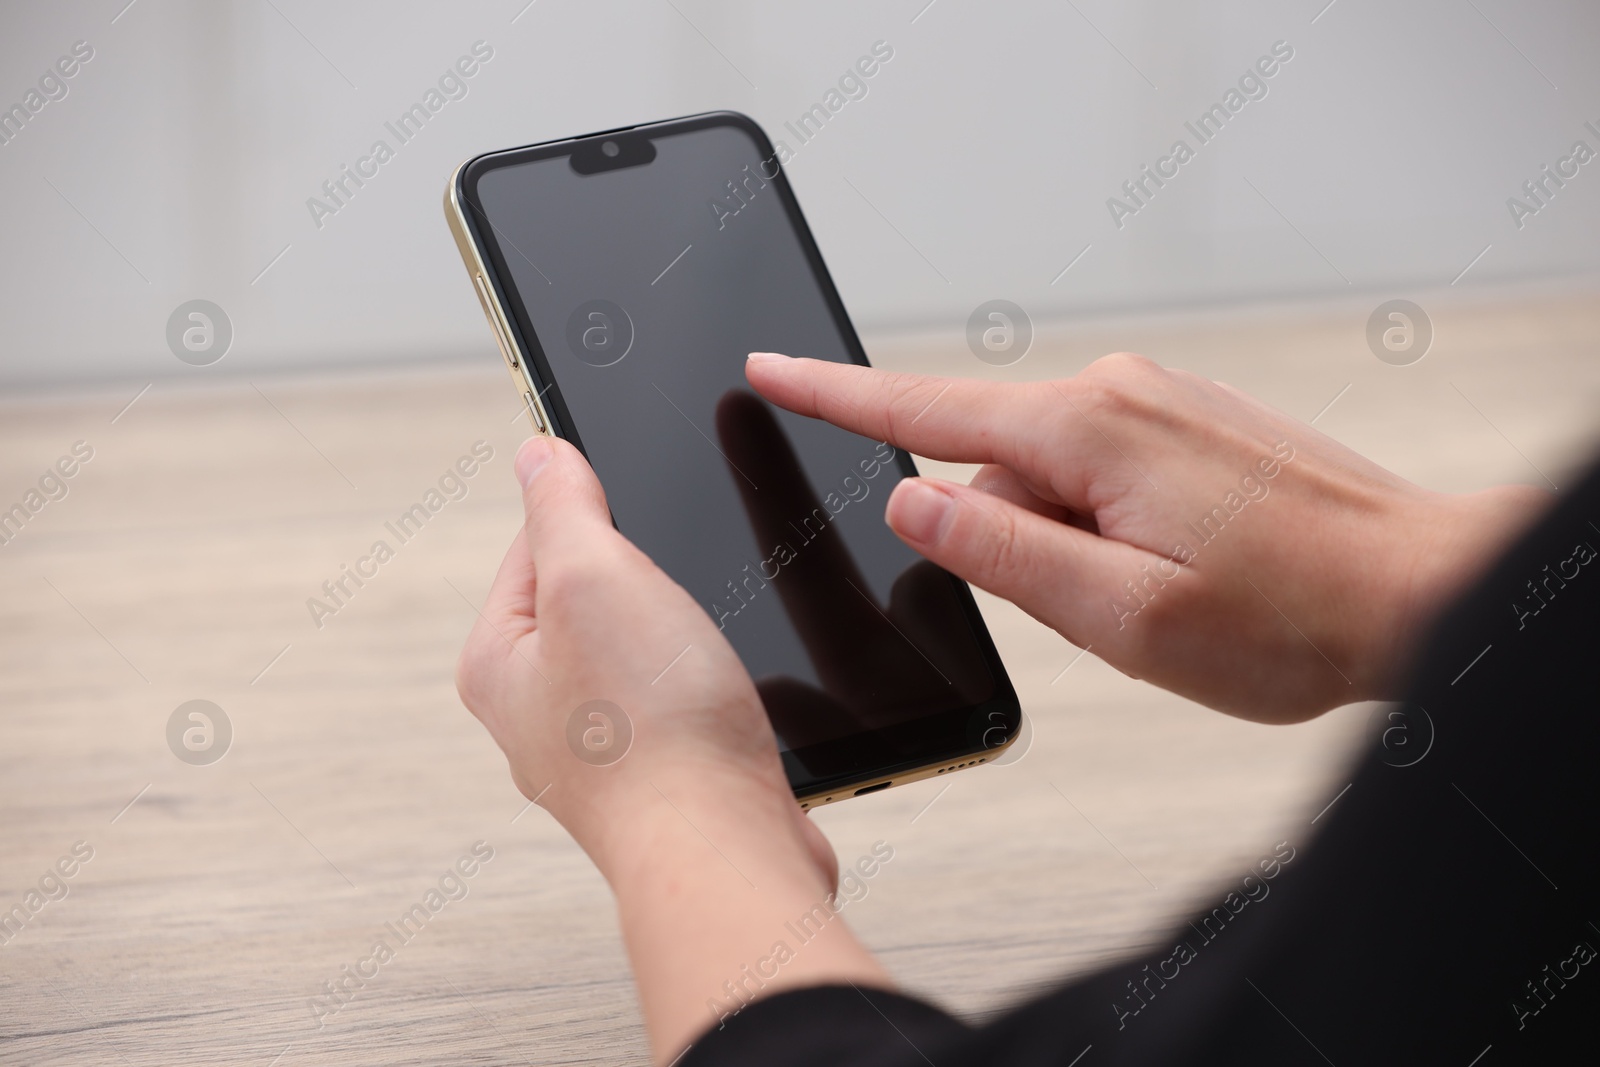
[768,357]
[534,454]
[919,512]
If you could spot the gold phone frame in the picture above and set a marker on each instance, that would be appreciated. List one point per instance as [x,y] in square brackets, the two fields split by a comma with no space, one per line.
[516,363]
[499,321]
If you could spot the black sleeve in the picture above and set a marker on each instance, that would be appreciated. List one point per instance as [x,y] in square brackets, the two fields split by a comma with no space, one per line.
[1447,912]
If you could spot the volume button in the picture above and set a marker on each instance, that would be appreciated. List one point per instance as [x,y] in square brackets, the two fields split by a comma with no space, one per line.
[532,405]
[507,349]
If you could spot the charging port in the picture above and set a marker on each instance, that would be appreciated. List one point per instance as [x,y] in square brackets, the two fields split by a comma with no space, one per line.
[872,788]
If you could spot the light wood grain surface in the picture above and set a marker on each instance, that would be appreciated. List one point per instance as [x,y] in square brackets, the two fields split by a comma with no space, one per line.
[221,899]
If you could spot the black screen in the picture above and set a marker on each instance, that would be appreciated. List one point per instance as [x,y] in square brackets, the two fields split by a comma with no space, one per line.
[642,267]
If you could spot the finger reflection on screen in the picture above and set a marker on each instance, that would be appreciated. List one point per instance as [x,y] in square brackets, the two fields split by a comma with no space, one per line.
[878,664]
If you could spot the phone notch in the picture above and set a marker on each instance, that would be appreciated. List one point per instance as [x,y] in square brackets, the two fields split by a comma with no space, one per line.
[611,151]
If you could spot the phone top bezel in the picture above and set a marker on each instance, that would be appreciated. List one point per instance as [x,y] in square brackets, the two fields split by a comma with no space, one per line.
[830,766]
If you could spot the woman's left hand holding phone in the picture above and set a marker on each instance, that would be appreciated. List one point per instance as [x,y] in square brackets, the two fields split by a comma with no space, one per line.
[694,824]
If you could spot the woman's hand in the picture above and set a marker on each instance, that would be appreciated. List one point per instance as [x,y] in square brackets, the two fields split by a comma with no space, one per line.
[578,614]
[1189,534]
[692,820]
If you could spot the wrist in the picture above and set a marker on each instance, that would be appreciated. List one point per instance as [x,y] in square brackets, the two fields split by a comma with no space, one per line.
[1452,540]
[654,820]
[720,900]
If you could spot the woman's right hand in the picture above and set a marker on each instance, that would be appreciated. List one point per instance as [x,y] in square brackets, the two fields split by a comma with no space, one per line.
[1187,533]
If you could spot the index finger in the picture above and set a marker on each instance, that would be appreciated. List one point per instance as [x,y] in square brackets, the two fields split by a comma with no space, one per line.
[958,420]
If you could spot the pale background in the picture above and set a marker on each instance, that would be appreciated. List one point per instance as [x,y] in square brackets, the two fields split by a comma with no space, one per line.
[220,498]
[990,142]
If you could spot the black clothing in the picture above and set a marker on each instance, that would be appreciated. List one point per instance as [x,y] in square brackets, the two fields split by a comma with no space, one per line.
[1449,908]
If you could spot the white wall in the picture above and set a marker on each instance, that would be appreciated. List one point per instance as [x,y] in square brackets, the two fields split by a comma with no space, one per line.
[193,138]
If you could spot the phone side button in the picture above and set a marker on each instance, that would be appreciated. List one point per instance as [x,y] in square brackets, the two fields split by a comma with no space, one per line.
[533,410]
[506,348]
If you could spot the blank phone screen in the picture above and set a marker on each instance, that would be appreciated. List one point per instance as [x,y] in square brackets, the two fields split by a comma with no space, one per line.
[642,268]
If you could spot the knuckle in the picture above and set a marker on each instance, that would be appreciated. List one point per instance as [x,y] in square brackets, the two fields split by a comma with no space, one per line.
[473,666]
[886,398]
[1121,383]
[904,398]
[571,580]
[898,399]
[604,573]
[1005,557]
[1171,603]
[1124,364]
[1173,597]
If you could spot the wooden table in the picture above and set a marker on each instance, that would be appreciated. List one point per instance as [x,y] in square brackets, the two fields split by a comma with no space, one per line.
[221,898]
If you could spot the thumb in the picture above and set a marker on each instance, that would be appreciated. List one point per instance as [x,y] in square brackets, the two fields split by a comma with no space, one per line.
[1057,573]
[565,506]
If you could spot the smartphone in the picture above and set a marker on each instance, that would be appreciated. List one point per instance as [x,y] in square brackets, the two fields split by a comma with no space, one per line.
[626,275]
